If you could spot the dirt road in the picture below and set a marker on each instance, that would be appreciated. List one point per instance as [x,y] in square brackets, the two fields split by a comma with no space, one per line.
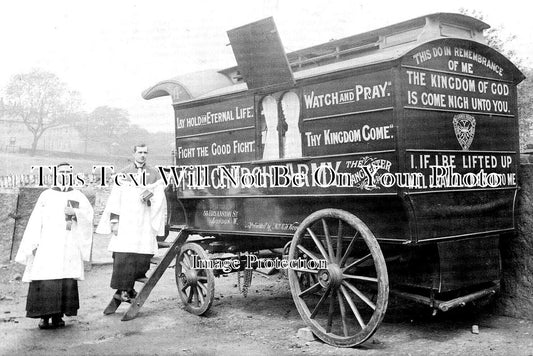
[266,322]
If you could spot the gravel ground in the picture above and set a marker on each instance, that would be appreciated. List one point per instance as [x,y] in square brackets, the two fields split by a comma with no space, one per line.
[266,322]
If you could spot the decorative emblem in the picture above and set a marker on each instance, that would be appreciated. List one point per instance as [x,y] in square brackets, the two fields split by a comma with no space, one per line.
[464,126]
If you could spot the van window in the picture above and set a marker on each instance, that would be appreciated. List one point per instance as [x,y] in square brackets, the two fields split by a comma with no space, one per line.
[280,126]
[269,133]
[292,140]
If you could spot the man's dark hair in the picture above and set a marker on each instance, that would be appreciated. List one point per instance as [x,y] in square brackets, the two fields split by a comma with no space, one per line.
[63,164]
[139,145]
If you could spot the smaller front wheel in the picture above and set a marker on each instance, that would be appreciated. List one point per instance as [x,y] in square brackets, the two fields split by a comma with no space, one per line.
[196,285]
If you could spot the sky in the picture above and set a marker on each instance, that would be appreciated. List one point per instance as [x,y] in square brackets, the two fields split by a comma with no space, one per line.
[110,51]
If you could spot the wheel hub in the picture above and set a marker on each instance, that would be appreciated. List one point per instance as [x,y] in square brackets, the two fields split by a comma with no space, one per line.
[330,277]
[189,277]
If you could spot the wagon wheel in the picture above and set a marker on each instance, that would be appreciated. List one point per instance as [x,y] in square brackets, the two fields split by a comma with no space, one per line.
[196,287]
[337,307]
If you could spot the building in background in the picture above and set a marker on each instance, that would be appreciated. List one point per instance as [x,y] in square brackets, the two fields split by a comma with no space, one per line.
[15,137]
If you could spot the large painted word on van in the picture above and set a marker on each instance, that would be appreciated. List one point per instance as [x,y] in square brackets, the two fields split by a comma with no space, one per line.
[347,95]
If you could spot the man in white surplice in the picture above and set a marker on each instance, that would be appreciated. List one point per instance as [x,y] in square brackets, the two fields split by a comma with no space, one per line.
[56,241]
[135,212]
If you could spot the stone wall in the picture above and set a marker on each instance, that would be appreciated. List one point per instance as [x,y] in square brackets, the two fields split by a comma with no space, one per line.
[8,209]
[16,206]
[27,198]
[516,297]
[100,195]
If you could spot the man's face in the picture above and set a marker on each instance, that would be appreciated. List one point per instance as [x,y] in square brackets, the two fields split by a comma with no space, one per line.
[140,155]
[63,173]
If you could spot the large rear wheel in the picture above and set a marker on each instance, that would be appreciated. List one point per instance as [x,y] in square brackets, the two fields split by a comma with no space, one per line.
[339,282]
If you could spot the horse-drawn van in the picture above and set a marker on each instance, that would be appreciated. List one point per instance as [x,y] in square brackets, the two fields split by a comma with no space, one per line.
[382,163]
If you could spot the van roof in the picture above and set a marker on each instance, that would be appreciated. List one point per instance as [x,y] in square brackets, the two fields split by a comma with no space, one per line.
[369,48]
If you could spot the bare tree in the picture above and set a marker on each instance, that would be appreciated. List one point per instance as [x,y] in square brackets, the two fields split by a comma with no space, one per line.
[525,107]
[104,128]
[499,39]
[41,101]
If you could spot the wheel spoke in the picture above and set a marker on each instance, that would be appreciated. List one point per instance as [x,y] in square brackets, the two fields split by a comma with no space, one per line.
[348,250]
[358,293]
[189,297]
[343,315]
[330,314]
[314,278]
[202,287]
[312,289]
[328,240]
[360,278]
[183,290]
[322,299]
[356,262]
[196,301]
[184,266]
[305,270]
[339,242]
[308,253]
[200,295]
[186,261]
[353,307]
[190,260]
[202,278]
[318,244]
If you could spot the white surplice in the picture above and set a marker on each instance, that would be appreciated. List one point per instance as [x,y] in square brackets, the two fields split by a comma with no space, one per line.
[139,224]
[59,253]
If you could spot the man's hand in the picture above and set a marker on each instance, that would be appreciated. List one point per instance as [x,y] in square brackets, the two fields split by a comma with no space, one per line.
[145,197]
[114,228]
[69,211]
